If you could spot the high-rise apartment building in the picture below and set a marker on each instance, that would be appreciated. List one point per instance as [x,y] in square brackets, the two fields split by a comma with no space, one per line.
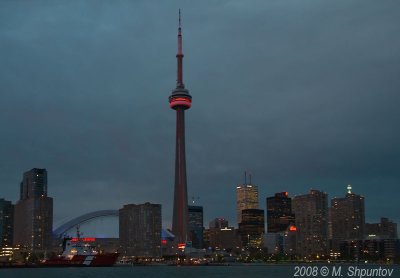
[196,226]
[140,230]
[279,212]
[33,215]
[246,198]
[6,223]
[311,214]
[347,218]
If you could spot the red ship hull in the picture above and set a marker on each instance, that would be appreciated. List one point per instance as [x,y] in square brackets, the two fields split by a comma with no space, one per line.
[84,260]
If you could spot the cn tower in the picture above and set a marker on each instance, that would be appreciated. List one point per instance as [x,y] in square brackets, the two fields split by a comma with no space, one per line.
[180,100]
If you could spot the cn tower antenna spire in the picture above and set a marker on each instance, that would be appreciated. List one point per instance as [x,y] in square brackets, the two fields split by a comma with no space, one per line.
[179,18]
[179,56]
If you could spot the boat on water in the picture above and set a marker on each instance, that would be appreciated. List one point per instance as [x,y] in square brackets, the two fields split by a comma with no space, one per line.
[80,252]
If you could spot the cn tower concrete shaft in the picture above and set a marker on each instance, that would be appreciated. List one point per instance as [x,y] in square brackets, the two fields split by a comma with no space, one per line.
[180,217]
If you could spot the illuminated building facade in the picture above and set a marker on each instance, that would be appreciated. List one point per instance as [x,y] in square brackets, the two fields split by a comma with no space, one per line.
[180,100]
[6,223]
[311,213]
[196,226]
[279,212]
[140,230]
[33,215]
[347,218]
[246,198]
[251,229]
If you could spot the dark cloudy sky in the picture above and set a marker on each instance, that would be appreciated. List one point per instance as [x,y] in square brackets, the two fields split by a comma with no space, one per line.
[303,94]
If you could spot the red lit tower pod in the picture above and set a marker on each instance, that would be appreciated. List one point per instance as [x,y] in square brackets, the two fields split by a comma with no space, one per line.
[180,100]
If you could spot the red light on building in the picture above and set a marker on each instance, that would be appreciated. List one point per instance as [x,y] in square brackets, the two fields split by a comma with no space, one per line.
[164,241]
[286,194]
[292,228]
[84,239]
[181,245]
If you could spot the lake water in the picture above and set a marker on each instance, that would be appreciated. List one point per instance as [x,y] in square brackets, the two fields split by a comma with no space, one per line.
[252,271]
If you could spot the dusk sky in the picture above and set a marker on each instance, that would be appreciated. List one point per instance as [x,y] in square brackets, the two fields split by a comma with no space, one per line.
[302,94]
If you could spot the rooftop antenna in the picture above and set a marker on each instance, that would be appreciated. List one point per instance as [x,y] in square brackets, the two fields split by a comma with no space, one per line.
[179,55]
[245,177]
[250,178]
[195,199]
[349,189]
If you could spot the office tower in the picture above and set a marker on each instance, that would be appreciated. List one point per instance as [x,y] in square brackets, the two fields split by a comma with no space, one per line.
[180,100]
[196,226]
[218,223]
[246,198]
[140,230]
[311,214]
[279,212]
[226,238]
[6,223]
[33,215]
[384,229]
[251,229]
[348,218]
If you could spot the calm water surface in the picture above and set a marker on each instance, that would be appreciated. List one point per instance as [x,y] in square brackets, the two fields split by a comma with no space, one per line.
[165,271]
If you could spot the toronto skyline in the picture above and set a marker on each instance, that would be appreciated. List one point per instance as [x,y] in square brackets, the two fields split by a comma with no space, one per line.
[299,94]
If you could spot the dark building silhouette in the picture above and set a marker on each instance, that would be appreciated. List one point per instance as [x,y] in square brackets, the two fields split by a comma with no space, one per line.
[311,213]
[347,218]
[180,100]
[226,238]
[33,215]
[140,230]
[196,226]
[218,223]
[6,223]
[371,250]
[384,229]
[251,229]
[279,213]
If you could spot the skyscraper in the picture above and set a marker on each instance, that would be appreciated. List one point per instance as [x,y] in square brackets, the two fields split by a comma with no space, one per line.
[180,100]
[196,226]
[33,218]
[311,213]
[348,218]
[140,230]
[279,212]
[6,223]
[246,198]
[252,228]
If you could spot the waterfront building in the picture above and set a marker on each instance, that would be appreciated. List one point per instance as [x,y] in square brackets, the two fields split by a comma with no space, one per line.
[279,212]
[251,229]
[196,226]
[6,223]
[347,218]
[311,214]
[384,229]
[33,215]
[140,230]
